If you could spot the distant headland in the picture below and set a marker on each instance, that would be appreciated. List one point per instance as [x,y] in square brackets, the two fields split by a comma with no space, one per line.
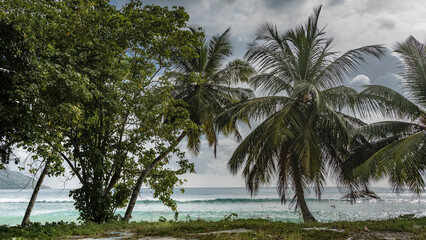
[16,180]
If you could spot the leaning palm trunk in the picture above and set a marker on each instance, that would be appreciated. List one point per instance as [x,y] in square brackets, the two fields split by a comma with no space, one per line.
[30,206]
[307,215]
[144,174]
[300,195]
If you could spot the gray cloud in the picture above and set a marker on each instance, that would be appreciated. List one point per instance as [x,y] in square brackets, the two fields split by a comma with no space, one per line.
[228,1]
[280,5]
[332,3]
[387,23]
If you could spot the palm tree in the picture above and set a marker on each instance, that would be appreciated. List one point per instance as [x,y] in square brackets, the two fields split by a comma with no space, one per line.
[304,133]
[204,85]
[399,147]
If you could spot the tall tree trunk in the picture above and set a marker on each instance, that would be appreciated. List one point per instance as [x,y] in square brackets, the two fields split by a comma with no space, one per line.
[30,206]
[144,174]
[307,215]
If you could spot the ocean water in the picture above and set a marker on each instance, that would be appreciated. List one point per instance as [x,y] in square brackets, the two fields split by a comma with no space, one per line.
[215,203]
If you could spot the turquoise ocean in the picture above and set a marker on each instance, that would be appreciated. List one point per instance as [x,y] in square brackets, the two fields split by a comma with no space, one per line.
[215,203]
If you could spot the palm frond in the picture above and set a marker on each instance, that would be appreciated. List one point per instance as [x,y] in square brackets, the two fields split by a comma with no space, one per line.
[283,166]
[414,54]
[219,48]
[392,103]
[402,161]
[257,109]
[259,151]
[234,72]
[347,65]
[272,54]
[353,121]
[306,147]
[387,129]
[233,94]
[270,84]
[281,126]
[344,98]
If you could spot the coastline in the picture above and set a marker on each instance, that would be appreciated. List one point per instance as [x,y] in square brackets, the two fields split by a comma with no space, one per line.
[213,204]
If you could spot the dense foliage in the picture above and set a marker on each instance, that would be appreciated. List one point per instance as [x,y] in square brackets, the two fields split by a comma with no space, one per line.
[99,104]
[15,57]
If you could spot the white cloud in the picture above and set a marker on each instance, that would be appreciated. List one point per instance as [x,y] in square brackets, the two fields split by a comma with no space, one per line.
[359,81]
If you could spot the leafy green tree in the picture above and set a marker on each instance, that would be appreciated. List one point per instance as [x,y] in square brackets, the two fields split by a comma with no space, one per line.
[15,58]
[202,85]
[16,120]
[397,149]
[304,130]
[99,105]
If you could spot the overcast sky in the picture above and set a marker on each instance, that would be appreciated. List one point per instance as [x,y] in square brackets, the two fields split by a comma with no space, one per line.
[352,24]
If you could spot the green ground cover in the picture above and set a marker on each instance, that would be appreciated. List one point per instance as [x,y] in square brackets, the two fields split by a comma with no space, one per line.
[405,227]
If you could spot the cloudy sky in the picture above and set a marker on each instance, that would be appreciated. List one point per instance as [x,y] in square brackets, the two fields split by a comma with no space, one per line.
[352,24]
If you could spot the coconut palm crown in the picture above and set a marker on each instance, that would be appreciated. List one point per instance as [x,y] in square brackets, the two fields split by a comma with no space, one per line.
[304,132]
[397,149]
[207,85]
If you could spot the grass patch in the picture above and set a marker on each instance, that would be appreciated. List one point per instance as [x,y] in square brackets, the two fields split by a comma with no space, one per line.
[260,229]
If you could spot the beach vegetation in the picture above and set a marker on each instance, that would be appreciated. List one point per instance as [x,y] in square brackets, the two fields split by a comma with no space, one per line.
[398,228]
[306,114]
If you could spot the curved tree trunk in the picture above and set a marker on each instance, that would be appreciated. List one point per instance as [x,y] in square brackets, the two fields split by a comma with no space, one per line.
[143,176]
[301,202]
[30,206]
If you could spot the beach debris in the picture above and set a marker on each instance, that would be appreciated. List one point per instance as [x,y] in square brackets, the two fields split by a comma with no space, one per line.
[238,230]
[117,235]
[324,229]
